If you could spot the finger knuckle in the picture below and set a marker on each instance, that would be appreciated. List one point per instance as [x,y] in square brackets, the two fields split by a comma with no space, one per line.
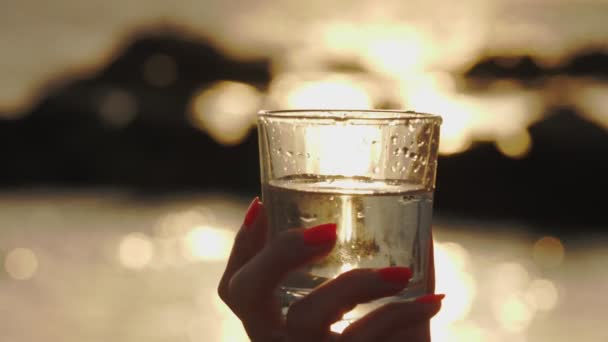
[222,293]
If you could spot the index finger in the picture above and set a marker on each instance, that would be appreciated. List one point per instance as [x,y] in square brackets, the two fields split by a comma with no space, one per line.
[251,290]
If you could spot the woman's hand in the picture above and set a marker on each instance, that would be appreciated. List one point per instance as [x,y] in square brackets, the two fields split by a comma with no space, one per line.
[255,269]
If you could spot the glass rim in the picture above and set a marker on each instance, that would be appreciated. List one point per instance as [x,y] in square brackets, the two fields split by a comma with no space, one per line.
[350,114]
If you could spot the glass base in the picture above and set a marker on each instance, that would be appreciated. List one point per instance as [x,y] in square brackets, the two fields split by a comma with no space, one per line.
[290,295]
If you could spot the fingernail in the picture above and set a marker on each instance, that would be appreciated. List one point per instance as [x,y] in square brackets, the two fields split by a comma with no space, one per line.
[252,213]
[395,275]
[430,298]
[321,234]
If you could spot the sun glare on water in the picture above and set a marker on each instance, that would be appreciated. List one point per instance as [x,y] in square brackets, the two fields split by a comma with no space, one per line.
[331,92]
[208,243]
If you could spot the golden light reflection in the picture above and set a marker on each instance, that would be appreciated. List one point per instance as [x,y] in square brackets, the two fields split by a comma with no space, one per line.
[434,93]
[331,92]
[509,277]
[206,243]
[542,294]
[467,118]
[226,111]
[21,263]
[454,144]
[135,251]
[339,38]
[461,331]
[345,268]
[592,102]
[399,52]
[231,327]
[515,146]
[548,252]
[394,50]
[513,312]
[350,155]
[346,320]
[183,235]
[168,252]
[520,297]
[178,223]
[453,279]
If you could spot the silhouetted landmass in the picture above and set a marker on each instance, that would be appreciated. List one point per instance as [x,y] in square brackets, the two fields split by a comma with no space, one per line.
[64,141]
[561,181]
[593,64]
[197,61]
[522,68]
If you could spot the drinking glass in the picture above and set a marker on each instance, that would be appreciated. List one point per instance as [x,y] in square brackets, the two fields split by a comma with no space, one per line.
[372,172]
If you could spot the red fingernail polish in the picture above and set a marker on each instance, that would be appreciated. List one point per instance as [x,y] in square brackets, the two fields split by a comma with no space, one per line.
[321,234]
[431,298]
[395,275]
[252,213]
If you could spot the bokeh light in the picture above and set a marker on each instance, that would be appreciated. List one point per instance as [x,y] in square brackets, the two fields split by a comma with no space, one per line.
[515,146]
[178,223]
[591,99]
[461,331]
[509,277]
[191,235]
[332,92]
[513,312]
[548,252]
[21,263]
[511,301]
[394,50]
[231,327]
[118,108]
[521,296]
[543,294]
[135,251]
[226,111]
[501,117]
[208,243]
[455,280]
[365,54]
